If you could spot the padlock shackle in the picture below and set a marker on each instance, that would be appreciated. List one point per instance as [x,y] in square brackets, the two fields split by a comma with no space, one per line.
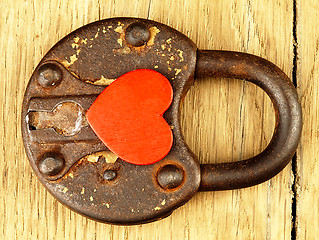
[280,150]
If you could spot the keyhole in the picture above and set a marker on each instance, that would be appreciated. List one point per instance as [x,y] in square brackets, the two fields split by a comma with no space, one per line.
[66,119]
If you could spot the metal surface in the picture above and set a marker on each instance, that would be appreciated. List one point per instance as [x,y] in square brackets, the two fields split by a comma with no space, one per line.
[288,119]
[92,181]
[78,169]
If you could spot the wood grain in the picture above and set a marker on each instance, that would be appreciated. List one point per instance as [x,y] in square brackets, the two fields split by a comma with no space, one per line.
[307,217]
[223,120]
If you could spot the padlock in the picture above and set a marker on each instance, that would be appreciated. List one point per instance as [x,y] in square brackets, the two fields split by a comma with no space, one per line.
[94,142]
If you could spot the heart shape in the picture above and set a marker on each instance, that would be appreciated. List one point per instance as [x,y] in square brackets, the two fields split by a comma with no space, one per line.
[128,116]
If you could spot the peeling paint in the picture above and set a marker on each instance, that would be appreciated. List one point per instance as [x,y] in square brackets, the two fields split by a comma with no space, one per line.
[180,54]
[125,50]
[73,59]
[154,31]
[84,41]
[119,29]
[75,45]
[177,71]
[108,156]
[120,41]
[103,81]
[107,205]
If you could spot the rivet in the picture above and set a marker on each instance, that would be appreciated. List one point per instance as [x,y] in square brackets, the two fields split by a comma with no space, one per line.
[137,34]
[170,177]
[49,75]
[109,175]
[51,165]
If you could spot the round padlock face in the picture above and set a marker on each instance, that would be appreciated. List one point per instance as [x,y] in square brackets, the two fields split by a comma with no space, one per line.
[63,141]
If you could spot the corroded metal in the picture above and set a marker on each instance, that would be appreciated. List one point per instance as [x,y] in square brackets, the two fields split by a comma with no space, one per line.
[288,125]
[79,170]
[92,181]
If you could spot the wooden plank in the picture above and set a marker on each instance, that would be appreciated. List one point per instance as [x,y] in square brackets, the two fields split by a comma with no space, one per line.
[223,120]
[307,219]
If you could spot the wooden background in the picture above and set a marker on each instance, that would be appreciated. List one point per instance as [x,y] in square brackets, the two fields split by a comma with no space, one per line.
[223,120]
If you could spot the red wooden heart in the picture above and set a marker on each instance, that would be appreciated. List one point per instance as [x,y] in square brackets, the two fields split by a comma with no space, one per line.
[128,116]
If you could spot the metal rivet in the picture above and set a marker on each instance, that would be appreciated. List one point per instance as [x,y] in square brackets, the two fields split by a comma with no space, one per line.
[49,75]
[170,177]
[109,175]
[137,34]
[51,165]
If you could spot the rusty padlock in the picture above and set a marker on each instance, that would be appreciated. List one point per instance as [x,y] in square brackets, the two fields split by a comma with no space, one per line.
[82,173]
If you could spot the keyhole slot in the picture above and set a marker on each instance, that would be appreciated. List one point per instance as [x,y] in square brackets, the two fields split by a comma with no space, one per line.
[66,118]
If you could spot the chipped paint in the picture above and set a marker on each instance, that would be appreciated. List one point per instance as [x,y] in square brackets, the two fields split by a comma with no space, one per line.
[163,202]
[78,51]
[163,46]
[84,41]
[71,175]
[180,54]
[155,66]
[169,40]
[153,31]
[65,190]
[109,26]
[125,50]
[73,59]
[94,190]
[91,199]
[107,205]
[157,208]
[119,29]
[102,81]
[108,156]
[96,35]
[120,41]
[75,45]
[177,71]
[172,58]
[82,192]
